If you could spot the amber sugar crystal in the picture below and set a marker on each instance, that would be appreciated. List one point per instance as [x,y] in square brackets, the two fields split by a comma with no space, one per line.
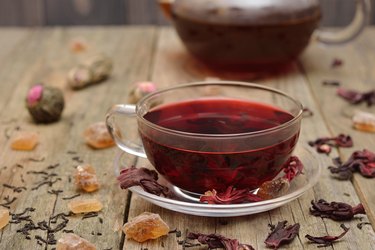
[25,140]
[364,121]
[274,188]
[97,136]
[145,226]
[4,217]
[86,178]
[85,206]
[72,241]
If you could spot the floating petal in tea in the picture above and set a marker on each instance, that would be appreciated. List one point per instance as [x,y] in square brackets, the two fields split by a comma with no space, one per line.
[25,140]
[145,226]
[86,178]
[97,136]
[45,103]
[85,206]
[72,241]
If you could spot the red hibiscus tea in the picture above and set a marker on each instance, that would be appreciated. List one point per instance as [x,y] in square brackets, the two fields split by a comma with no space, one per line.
[213,143]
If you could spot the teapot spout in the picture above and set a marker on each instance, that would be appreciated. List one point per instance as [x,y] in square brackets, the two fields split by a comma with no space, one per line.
[166,7]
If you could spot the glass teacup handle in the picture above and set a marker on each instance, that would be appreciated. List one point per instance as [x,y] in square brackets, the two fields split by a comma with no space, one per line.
[359,22]
[128,111]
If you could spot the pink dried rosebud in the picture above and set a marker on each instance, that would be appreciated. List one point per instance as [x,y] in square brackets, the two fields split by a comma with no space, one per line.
[140,90]
[45,104]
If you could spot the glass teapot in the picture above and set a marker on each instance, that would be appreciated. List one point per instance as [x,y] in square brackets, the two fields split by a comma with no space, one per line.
[255,33]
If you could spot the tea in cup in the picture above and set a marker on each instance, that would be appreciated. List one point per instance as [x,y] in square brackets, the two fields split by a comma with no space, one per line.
[212,135]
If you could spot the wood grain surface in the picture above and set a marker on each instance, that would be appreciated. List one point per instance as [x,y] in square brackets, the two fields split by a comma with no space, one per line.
[149,53]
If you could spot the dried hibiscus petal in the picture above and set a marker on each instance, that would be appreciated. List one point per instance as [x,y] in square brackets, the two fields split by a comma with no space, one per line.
[324,144]
[328,239]
[292,168]
[360,161]
[338,211]
[143,177]
[230,196]
[356,97]
[336,62]
[282,234]
[218,241]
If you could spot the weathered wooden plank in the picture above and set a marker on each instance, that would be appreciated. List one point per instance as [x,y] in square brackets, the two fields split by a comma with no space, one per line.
[143,12]
[47,58]
[84,12]
[173,66]
[356,73]
[22,12]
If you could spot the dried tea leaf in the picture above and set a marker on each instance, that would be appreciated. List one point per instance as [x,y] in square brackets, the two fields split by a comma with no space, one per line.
[230,196]
[143,177]
[328,239]
[214,241]
[338,211]
[282,234]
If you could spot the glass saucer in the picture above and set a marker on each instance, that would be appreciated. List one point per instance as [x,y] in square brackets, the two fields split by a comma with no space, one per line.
[188,204]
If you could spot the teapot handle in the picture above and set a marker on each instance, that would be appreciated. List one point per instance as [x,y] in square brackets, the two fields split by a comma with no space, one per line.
[359,22]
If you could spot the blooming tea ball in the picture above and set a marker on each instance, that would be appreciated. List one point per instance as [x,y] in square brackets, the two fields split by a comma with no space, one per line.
[44,103]
[93,70]
[140,90]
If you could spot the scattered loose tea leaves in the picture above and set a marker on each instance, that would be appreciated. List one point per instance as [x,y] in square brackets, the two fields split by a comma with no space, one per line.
[71,197]
[360,161]
[282,234]
[218,241]
[14,188]
[356,97]
[143,177]
[331,83]
[325,144]
[230,196]
[338,211]
[361,224]
[327,240]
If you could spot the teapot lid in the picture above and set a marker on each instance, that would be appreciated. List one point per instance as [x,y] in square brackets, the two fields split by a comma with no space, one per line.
[245,12]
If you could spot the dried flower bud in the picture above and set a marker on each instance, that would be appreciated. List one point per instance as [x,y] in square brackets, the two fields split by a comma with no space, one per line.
[327,240]
[93,70]
[282,234]
[140,90]
[214,241]
[45,104]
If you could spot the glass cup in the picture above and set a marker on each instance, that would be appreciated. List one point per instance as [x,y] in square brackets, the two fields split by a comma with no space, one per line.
[211,135]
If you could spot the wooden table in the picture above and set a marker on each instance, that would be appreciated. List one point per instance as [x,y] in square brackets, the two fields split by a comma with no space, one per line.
[29,56]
